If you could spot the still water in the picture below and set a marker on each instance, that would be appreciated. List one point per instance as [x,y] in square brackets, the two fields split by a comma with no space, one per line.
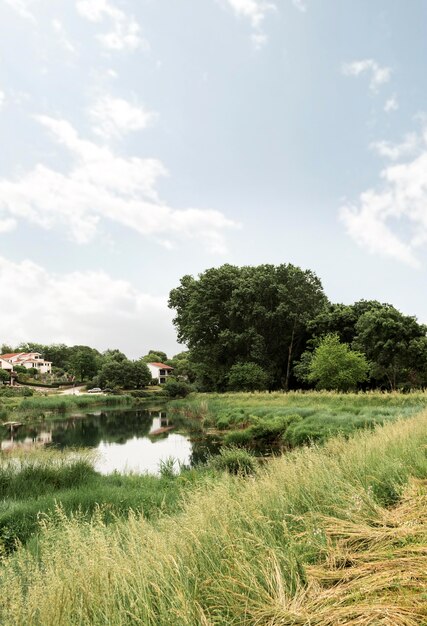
[124,440]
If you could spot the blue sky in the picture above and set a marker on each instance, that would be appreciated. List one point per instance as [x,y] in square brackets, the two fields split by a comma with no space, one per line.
[144,140]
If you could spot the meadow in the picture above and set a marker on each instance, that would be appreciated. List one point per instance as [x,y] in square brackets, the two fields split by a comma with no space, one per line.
[33,483]
[280,420]
[322,535]
[25,408]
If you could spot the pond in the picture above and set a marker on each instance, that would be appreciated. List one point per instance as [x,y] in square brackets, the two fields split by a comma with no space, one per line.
[130,440]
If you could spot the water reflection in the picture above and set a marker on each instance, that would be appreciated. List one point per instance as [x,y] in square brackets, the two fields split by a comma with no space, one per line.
[126,440]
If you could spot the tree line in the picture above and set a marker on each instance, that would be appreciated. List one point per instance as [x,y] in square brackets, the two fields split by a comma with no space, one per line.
[273,327]
[264,327]
[108,369]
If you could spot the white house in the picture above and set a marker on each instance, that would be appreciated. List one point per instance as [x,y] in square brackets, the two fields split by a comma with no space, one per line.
[28,360]
[160,371]
[5,365]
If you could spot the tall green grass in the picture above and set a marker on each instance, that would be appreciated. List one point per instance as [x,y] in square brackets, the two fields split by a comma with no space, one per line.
[296,418]
[236,555]
[24,409]
[34,483]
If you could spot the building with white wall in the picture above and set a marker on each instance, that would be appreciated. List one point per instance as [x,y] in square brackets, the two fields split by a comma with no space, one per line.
[28,360]
[160,371]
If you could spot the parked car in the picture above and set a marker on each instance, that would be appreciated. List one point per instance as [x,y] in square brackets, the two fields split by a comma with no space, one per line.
[95,390]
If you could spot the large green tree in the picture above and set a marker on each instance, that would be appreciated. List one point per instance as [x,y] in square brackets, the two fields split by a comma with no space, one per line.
[83,362]
[259,314]
[124,374]
[335,366]
[395,343]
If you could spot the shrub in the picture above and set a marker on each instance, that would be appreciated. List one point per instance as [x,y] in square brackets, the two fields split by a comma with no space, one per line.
[247,377]
[136,393]
[16,392]
[177,389]
[335,366]
[235,461]
[4,376]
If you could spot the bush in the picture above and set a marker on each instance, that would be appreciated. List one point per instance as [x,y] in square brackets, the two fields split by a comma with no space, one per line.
[235,461]
[136,393]
[4,376]
[247,377]
[177,389]
[16,392]
[335,367]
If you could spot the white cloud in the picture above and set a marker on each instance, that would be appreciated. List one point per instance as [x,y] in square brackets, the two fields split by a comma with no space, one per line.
[255,11]
[125,33]
[381,217]
[7,225]
[102,187]
[81,308]
[395,151]
[59,29]
[22,8]
[391,104]
[115,116]
[379,75]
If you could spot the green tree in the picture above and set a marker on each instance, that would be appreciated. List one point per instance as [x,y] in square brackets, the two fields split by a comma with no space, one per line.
[114,355]
[184,367]
[83,362]
[4,375]
[125,374]
[335,366]
[155,356]
[232,315]
[395,344]
[247,377]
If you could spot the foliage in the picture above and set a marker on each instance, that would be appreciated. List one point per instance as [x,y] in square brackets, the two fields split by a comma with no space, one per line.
[16,392]
[235,315]
[240,551]
[4,376]
[183,366]
[335,366]
[114,355]
[83,362]
[281,420]
[125,374]
[155,356]
[37,482]
[395,343]
[247,377]
[235,461]
[176,388]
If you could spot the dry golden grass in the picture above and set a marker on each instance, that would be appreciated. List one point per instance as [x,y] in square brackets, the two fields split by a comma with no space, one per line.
[374,571]
[320,537]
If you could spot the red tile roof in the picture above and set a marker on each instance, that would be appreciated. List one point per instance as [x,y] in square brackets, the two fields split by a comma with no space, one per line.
[162,366]
[9,356]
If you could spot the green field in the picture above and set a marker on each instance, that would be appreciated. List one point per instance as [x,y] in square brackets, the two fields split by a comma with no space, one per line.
[255,550]
[21,408]
[293,419]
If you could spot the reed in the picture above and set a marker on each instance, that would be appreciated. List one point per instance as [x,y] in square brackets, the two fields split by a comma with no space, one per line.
[256,550]
[295,418]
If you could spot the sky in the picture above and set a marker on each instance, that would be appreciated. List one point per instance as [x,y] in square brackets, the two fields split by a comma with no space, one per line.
[142,140]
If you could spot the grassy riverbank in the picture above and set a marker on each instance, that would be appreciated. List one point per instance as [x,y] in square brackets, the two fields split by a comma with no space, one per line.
[245,551]
[34,483]
[33,407]
[293,419]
